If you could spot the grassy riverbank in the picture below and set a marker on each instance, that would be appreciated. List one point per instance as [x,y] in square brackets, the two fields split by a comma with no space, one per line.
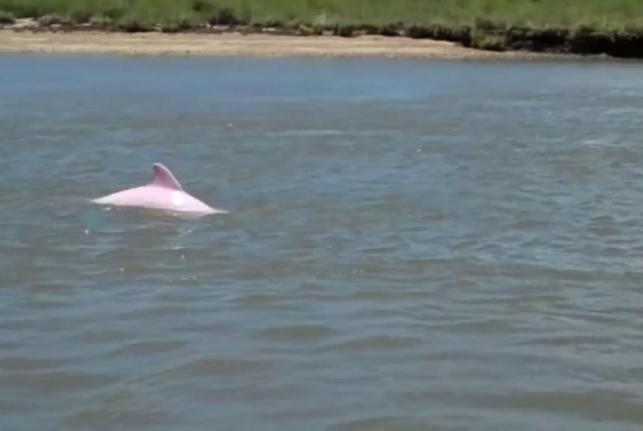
[583,26]
[599,14]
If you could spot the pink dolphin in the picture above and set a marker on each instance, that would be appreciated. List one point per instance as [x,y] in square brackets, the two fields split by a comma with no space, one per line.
[163,193]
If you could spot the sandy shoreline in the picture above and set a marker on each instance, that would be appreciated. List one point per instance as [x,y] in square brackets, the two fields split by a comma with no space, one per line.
[236,44]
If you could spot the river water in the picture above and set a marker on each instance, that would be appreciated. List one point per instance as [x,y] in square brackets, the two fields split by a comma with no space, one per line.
[411,245]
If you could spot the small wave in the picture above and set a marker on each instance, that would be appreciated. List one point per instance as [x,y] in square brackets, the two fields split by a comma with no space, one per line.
[148,347]
[297,333]
[377,342]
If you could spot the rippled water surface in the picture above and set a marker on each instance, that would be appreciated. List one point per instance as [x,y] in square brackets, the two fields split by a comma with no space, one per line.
[412,245]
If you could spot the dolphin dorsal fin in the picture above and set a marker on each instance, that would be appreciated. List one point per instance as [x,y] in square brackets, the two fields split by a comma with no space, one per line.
[163,177]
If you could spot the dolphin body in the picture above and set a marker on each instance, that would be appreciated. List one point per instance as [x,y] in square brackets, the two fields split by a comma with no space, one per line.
[163,193]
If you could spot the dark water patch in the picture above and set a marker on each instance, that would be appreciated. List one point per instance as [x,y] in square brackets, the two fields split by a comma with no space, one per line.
[297,333]
[148,347]
[605,405]
[382,423]
[212,367]
[99,335]
[117,416]
[53,381]
[10,364]
[377,342]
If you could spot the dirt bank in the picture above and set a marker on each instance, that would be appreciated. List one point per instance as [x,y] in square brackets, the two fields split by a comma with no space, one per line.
[238,44]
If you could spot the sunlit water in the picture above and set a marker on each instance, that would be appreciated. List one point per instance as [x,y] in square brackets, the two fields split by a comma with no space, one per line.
[411,245]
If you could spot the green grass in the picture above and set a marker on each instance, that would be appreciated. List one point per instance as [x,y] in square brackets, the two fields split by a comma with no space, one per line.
[598,14]
[6,17]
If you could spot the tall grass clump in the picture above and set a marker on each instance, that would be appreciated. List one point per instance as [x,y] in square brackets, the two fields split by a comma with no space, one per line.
[6,18]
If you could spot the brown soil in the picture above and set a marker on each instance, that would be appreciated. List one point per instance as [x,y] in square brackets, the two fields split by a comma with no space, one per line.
[237,44]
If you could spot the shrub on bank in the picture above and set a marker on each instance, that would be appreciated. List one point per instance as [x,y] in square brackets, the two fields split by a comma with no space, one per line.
[6,18]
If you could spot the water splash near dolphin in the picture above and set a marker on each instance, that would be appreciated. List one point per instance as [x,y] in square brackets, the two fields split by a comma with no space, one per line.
[164,193]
